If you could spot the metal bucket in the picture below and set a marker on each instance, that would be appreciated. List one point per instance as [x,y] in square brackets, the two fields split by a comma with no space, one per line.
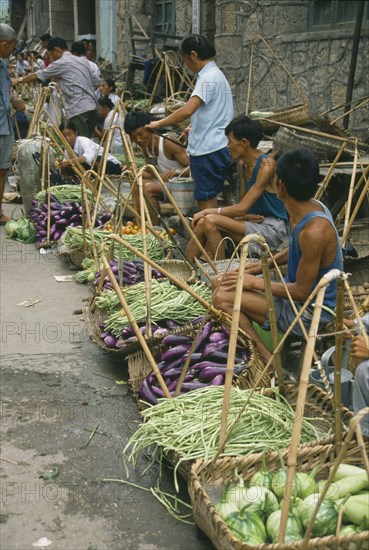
[346,376]
[182,190]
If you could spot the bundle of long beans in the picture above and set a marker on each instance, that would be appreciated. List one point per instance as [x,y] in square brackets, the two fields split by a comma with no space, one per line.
[189,425]
[167,302]
[63,193]
[74,239]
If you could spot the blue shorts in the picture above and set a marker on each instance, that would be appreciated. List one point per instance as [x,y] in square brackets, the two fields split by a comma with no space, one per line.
[209,172]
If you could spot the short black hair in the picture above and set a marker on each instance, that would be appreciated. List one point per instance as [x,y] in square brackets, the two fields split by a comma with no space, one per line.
[134,120]
[104,101]
[110,82]
[45,36]
[200,44]
[298,169]
[78,48]
[68,125]
[57,43]
[243,127]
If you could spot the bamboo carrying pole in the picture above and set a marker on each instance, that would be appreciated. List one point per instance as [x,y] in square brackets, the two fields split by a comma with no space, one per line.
[233,342]
[338,357]
[301,398]
[272,318]
[327,178]
[356,188]
[350,194]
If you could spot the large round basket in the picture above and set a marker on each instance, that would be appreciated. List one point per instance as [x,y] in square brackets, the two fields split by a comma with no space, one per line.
[299,115]
[207,482]
[324,148]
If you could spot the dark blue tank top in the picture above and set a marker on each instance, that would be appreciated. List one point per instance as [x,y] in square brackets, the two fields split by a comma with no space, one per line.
[294,256]
[268,204]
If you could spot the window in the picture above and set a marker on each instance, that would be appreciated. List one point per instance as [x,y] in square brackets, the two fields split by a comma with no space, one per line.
[165,16]
[323,14]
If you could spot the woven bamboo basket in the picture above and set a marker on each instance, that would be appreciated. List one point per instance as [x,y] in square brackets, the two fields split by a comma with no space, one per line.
[299,115]
[358,269]
[74,257]
[180,269]
[175,102]
[359,237]
[325,149]
[206,481]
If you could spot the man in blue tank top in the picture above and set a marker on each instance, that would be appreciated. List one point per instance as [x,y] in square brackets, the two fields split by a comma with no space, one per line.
[314,249]
[259,210]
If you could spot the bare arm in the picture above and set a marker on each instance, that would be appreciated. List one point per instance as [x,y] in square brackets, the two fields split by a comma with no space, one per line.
[312,242]
[178,116]
[175,152]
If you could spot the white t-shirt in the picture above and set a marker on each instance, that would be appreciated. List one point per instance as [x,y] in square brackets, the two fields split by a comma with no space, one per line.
[85,147]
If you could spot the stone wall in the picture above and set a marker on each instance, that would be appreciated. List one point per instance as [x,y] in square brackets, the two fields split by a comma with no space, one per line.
[318,61]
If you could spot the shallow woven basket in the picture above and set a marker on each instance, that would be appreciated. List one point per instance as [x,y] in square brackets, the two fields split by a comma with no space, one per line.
[325,149]
[206,480]
[180,269]
[297,115]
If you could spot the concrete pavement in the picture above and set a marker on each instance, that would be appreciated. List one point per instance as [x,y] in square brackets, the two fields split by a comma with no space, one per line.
[56,388]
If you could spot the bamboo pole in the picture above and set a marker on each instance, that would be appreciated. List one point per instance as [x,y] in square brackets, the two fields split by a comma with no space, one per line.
[364,191]
[357,186]
[309,131]
[350,111]
[338,358]
[344,104]
[301,398]
[233,342]
[350,194]
[133,322]
[327,178]
[250,82]
[272,318]
[147,267]
[354,423]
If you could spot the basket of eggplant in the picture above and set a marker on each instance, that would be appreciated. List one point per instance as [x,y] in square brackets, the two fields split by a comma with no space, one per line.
[207,363]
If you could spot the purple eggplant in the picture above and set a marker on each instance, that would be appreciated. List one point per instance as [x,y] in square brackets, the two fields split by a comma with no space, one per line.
[226,332]
[215,346]
[110,341]
[206,364]
[147,394]
[171,324]
[172,364]
[220,356]
[176,339]
[203,337]
[175,352]
[217,380]
[189,386]
[216,337]
[208,373]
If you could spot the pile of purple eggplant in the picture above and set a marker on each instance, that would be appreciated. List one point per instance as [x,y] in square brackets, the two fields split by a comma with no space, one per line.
[207,364]
[133,272]
[127,337]
[62,215]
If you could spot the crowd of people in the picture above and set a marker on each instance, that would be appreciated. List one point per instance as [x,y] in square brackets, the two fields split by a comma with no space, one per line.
[276,196]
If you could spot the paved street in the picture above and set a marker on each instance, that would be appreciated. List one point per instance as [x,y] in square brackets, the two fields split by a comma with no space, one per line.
[57,387]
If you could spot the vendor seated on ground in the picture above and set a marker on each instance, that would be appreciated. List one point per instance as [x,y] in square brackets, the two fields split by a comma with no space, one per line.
[259,210]
[88,152]
[172,159]
[109,118]
[314,249]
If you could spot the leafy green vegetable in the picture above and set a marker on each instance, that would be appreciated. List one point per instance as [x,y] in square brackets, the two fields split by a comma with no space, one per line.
[356,510]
